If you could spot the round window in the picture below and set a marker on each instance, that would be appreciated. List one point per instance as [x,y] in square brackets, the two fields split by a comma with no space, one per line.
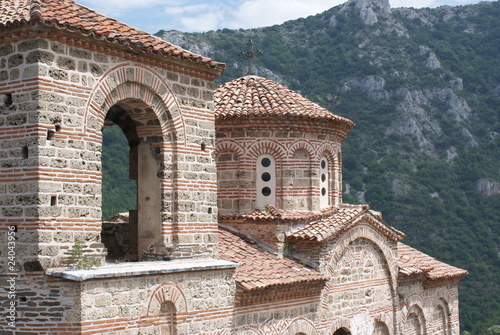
[265,162]
[323,191]
[266,191]
[266,176]
[323,177]
[323,164]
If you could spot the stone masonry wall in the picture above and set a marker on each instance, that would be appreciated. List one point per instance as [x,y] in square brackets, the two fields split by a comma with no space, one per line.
[203,301]
[297,147]
[429,310]
[50,144]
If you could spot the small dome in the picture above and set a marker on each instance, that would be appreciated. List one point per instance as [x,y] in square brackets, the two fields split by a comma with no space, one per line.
[253,96]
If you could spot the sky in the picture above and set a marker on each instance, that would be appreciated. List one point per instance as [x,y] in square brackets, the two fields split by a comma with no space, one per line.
[205,15]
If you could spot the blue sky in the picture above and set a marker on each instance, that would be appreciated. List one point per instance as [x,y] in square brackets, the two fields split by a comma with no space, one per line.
[205,15]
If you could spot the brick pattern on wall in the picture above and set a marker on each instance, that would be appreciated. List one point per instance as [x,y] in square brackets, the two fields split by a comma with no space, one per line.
[297,154]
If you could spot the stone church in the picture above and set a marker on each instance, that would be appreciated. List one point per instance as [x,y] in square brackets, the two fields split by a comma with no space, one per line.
[239,198]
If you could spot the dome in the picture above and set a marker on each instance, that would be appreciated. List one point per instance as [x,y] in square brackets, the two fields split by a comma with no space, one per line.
[253,96]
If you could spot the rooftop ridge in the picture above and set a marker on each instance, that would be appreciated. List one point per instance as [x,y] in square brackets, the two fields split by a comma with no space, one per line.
[254,96]
[71,16]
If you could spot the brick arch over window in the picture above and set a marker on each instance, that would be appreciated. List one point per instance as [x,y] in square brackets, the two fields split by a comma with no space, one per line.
[331,152]
[301,145]
[372,235]
[261,147]
[339,323]
[383,321]
[327,150]
[415,314]
[301,326]
[229,146]
[167,292]
[361,230]
[128,81]
[412,300]
[441,301]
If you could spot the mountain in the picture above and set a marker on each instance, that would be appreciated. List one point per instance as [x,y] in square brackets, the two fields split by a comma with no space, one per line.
[423,87]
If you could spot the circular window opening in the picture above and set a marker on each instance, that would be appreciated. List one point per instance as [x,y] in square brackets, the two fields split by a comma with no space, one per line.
[323,191]
[323,177]
[266,176]
[323,164]
[265,162]
[266,191]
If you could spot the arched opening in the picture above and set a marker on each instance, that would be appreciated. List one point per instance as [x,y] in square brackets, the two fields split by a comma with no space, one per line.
[440,321]
[324,183]
[342,331]
[140,126]
[413,325]
[228,182]
[266,181]
[381,329]
[169,314]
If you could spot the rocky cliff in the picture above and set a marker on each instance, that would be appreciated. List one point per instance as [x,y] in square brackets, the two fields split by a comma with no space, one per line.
[423,87]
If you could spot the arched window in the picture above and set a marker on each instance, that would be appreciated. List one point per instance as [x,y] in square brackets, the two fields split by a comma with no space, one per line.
[266,181]
[342,331]
[169,312]
[324,183]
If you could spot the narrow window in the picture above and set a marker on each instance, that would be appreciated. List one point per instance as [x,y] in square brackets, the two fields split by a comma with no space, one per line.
[324,184]
[266,181]
[25,152]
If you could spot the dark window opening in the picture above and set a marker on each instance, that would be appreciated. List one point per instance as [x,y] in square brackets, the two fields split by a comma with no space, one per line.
[25,152]
[266,176]
[266,191]
[266,162]
[323,164]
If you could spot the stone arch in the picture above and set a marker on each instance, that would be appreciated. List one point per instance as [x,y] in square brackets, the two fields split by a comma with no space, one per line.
[301,145]
[167,293]
[132,81]
[414,320]
[229,146]
[414,299]
[301,326]
[331,152]
[383,324]
[367,232]
[270,147]
[441,313]
[339,324]
[361,230]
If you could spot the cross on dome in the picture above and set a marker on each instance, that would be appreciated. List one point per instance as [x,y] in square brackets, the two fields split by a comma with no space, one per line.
[250,54]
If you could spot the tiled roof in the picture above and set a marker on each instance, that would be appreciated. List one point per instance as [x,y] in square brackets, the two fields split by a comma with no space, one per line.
[71,16]
[339,222]
[260,269]
[412,262]
[278,215]
[253,96]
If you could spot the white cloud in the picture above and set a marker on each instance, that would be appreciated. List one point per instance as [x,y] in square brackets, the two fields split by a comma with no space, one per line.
[259,13]
[116,8]
[204,15]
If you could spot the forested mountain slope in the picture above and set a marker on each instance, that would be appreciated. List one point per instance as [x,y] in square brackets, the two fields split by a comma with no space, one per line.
[423,87]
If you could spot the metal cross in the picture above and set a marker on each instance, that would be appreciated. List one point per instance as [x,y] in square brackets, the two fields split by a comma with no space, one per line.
[250,54]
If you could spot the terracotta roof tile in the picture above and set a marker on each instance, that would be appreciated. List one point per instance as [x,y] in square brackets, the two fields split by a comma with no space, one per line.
[338,222]
[253,96]
[258,268]
[69,15]
[412,262]
[278,215]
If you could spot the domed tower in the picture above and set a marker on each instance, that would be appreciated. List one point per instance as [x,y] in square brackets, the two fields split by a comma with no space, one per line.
[276,150]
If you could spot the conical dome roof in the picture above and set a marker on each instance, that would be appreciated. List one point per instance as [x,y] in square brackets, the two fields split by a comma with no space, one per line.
[253,96]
